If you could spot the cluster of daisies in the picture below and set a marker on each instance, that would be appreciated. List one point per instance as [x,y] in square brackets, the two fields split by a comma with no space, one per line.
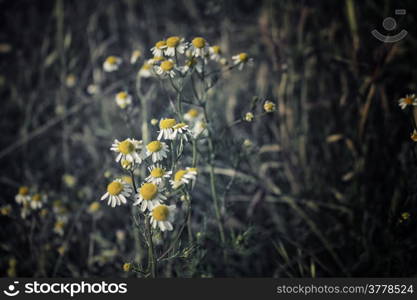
[29,201]
[175,56]
[151,195]
[409,101]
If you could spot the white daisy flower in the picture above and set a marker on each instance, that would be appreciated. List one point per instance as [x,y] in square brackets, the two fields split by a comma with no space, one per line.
[123,99]
[149,196]
[199,47]
[215,53]
[135,56]
[128,150]
[117,192]
[199,128]
[249,117]
[22,195]
[407,100]
[156,60]
[175,44]
[269,106]
[241,60]
[162,216]
[36,201]
[157,173]
[193,115]
[112,63]
[190,64]
[181,130]
[59,227]
[183,177]
[166,68]
[158,150]
[158,49]
[166,129]
[146,70]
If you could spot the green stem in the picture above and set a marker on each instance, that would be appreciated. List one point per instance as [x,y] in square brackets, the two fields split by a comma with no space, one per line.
[152,262]
[213,180]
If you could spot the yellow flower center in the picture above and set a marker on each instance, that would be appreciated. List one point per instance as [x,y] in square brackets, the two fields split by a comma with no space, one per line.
[122,95]
[192,170]
[167,65]
[414,136]
[180,125]
[160,213]
[160,44]
[115,188]
[179,175]
[216,49]
[157,172]
[111,60]
[193,113]
[36,198]
[148,191]
[127,267]
[243,57]
[154,146]
[199,42]
[167,123]
[126,147]
[23,190]
[173,41]
[408,100]
[405,215]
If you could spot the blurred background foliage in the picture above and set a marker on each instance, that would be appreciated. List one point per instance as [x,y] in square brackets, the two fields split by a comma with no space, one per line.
[320,192]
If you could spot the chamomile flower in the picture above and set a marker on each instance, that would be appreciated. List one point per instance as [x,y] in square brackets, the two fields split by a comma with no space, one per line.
[136,54]
[22,195]
[408,100]
[156,60]
[199,129]
[181,130]
[182,177]
[241,60]
[112,63]
[215,53]
[117,193]
[159,48]
[36,201]
[157,173]
[166,129]
[166,68]
[6,210]
[269,106]
[192,115]
[157,150]
[249,117]
[146,70]
[123,99]
[175,44]
[128,150]
[199,47]
[162,216]
[149,196]
[59,227]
